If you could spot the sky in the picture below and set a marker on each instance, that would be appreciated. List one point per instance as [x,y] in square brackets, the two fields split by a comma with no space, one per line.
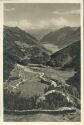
[41,15]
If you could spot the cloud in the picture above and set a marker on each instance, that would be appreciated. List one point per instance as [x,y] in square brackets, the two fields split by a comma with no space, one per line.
[60,22]
[56,12]
[42,24]
[9,9]
[23,24]
[74,12]
[57,22]
[67,12]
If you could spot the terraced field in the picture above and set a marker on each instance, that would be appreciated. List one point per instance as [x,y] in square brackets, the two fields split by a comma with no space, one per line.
[29,82]
[42,84]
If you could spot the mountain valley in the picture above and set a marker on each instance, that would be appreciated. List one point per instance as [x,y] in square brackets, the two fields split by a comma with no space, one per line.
[39,77]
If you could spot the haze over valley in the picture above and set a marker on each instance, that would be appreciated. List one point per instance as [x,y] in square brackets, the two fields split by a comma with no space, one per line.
[41,62]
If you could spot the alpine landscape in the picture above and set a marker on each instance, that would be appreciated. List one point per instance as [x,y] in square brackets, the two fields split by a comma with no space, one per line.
[41,66]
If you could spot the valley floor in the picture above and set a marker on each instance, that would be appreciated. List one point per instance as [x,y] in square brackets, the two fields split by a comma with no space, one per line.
[71,117]
[31,81]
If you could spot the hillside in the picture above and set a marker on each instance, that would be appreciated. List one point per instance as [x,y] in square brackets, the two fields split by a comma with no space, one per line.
[67,57]
[62,37]
[35,81]
[21,47]
[38,88]
[75,80]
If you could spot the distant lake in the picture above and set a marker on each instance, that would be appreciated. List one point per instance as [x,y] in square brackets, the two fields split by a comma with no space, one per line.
[51,47]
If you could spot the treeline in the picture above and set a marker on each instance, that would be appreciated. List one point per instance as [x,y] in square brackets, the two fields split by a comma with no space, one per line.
[54,101]
[14,101]
[70,91]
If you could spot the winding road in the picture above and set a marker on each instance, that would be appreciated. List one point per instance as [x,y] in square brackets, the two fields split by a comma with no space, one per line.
[42,76]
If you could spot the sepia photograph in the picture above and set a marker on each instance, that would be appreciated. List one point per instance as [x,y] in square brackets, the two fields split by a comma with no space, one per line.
[42,62]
